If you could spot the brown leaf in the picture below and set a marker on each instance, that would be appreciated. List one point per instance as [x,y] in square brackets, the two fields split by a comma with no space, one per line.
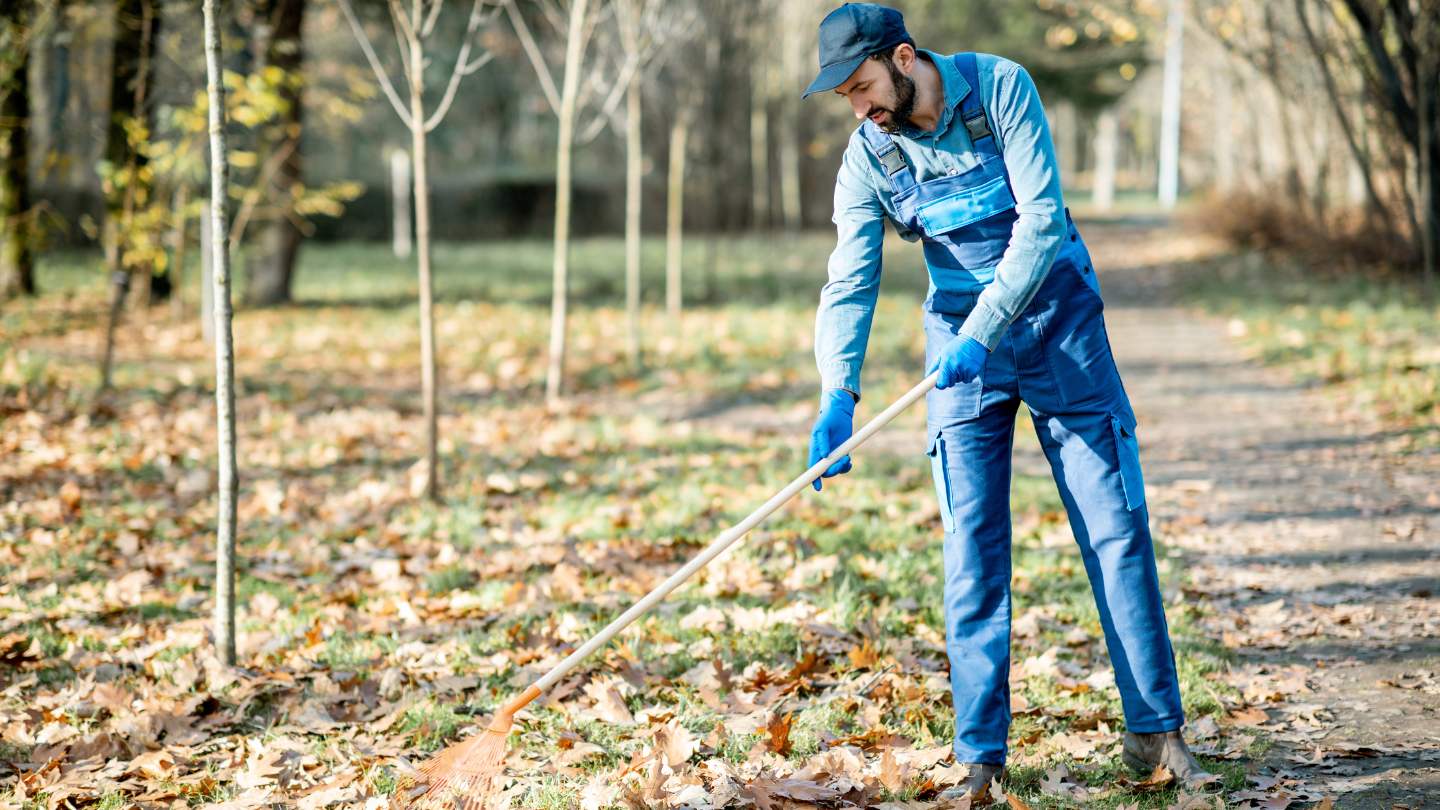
[890,772]
[777,739]
[767,791]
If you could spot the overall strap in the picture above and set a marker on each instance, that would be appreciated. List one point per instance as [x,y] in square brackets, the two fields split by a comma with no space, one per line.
[972,108]
[897,170]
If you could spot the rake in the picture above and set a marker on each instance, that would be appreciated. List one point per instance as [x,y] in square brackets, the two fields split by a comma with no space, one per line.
[463,775]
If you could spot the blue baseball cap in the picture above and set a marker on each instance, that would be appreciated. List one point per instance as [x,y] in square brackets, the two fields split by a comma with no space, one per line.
[850,34]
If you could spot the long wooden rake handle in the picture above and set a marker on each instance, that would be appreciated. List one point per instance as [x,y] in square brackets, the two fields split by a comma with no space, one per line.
[724,541]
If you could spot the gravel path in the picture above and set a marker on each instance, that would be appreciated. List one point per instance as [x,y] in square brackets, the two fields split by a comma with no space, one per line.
[1312,533]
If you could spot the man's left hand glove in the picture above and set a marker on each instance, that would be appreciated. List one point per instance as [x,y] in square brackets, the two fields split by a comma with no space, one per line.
[960,361]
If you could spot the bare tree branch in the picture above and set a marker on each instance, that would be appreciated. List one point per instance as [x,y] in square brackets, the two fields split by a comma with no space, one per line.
[429,26]
[463,67]
[375,66]
[537,59]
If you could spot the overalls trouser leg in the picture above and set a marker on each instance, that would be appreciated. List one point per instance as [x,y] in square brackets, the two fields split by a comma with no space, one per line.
[1056,358]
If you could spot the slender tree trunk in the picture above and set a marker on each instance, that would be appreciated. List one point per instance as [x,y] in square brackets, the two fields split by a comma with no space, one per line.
[17,261]
[1224,128]
[675,218]
[633,159]
[179,245]
[1169,185]
[560,293]
[759,146]
[401,243]
[129,69]
[1429,172]
[429,373]
[789,134]
[224,349]
[272,267]
[207,275]
[1107,146]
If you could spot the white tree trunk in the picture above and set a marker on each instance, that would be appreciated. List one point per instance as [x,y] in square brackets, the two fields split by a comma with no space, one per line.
[675,218]
[1169,185]
[633,159]
[1107,148]
[224,349]
[788,136]
[400,241]
[759,145]
[429,373]
[559,299]
[1223,131]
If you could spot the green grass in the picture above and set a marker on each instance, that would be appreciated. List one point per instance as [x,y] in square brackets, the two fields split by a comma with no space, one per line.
[1374,339]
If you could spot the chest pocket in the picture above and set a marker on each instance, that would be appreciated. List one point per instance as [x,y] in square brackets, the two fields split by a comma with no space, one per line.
[954,208]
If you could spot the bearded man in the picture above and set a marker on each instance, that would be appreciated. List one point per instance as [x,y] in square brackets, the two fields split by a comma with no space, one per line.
[954,150]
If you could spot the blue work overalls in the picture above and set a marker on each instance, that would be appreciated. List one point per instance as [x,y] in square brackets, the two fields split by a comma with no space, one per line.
[1056,358]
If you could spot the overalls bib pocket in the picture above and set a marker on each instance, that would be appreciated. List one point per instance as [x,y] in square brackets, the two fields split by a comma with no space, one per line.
[963,206]
[1127,447]
[936,452]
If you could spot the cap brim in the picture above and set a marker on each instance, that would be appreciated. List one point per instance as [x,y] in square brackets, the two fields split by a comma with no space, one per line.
[832,76]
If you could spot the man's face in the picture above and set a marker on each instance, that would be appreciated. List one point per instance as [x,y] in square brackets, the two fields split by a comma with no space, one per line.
[881,90]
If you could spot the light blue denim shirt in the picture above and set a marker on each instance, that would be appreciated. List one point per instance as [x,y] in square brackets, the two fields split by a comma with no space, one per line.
[863,203]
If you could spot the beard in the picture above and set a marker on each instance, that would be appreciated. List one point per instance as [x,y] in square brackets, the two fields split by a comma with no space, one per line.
[903,105]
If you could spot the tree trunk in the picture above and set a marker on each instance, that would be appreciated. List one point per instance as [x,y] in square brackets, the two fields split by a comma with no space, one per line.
[129,66]
[1169,185]
[429,373]
[17,261]
[759,145]
[574,52]
[401,228]
[272,267]
[633,160]
[1224,127]
[789,135]
[224,349]
[179,245]
[1107,146]
[675,217]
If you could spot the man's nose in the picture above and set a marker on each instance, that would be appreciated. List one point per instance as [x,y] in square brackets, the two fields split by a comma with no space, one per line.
[860,107]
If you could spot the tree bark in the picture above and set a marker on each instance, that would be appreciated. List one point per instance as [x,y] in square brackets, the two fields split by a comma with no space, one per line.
[559,300]
[272,267]
[675,217]
[1169,185]
[225,523]
[429,373]
[633,160]
[17,259]
[759,145]
[129,68]
[402,243]
[1107,146]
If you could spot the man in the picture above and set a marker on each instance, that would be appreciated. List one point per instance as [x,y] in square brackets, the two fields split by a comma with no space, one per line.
[956,152]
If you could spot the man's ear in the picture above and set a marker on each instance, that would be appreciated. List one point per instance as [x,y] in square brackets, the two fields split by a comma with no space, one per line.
[904,57]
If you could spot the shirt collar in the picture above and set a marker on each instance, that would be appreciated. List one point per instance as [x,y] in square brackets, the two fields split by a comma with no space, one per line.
[955,87]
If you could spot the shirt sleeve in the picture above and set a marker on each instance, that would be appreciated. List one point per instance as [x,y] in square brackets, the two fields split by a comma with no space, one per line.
[1039,230]
[847,301]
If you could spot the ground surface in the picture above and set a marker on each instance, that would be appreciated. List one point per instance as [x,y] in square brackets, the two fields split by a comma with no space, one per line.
[1310,529]
[1299,547]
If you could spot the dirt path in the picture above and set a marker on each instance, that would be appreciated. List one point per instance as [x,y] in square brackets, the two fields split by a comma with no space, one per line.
[1315,541]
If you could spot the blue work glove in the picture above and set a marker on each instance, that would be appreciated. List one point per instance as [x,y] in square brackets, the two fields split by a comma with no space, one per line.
[960,361]
[832,428]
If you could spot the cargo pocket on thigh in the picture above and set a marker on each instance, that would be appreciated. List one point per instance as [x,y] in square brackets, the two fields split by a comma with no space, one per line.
[942,480]
[1127,447]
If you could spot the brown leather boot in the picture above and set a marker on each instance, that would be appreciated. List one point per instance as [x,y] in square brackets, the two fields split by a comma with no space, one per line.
[1145,751]
[977,783]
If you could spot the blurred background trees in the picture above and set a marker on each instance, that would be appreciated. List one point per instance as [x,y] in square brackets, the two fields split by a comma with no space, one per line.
[1314,120]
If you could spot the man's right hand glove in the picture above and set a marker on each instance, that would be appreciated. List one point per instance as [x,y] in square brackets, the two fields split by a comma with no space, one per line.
[832,428]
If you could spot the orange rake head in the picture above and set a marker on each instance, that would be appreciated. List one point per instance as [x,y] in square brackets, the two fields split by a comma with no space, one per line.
[462,776]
